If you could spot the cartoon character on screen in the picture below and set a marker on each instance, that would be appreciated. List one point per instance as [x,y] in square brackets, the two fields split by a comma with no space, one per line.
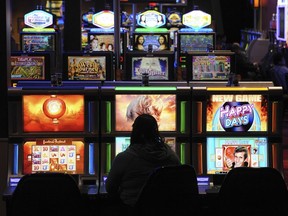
[240,158]
[144,104]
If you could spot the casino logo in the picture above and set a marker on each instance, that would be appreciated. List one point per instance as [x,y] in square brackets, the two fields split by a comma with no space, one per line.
[236,116]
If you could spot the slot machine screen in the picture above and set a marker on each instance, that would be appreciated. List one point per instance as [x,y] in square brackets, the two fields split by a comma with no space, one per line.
[210,66]
[237,113]
[93,66]
[195,41]
[157,41]
[122,143]
[104,41]
[158,65]
[32,66]
[226,153]
[37,42]
[53,113]
[161,106]
[63,155]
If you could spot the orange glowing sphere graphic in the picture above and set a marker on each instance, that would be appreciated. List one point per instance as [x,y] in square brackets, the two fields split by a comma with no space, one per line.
[54,108]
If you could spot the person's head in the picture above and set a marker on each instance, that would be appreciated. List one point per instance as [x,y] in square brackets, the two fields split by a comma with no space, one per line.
[140,39]
[103,46]
[162,39]
[110,47]
[278,59]
[240,156]
[235,47]
[94,42]
[145,130]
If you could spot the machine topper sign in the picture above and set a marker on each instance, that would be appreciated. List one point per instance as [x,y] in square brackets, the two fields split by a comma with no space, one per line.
[38,19]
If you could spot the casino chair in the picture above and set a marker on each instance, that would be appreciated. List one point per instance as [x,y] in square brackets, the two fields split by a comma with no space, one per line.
[170,190]
[46,194]
[253,192]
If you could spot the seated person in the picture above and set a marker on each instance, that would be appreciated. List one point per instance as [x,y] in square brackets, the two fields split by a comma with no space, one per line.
[244,68]
[279,71]
[132,167]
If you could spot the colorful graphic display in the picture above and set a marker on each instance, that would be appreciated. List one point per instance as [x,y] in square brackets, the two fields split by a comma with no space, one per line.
[34,42]
[195,42]
[237,113]
[157,42]
[86,67]
[211,67]
[53,113]
[103,42]
[27,67]
[54,155]
[155,67]
[226,153]
[162,107]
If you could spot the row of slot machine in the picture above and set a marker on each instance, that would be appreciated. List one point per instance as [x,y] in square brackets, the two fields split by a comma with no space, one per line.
[80,129]
[80,126]
[185,54]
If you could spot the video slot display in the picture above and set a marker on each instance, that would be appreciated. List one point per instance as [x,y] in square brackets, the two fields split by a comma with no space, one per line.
[63,155]
[161,106]
[154,41]
[157,66]
[34,42]
[226,153]
[53,113]
[237,113]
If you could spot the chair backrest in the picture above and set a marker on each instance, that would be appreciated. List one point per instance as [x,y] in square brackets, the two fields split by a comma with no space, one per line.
[253,191]
[47,194]
[170,190]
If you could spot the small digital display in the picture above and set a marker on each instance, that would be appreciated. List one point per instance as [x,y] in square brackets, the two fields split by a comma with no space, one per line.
[156,42]
[86,67]
[237,112]
[38,42]
[101,42]
[195,42]
[211,67]
[156,67]
[226,153]
[54,155]
[28,67]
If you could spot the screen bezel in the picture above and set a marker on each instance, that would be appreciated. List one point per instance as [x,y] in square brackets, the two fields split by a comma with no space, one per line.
[108,61]
[134,54]
[189,63]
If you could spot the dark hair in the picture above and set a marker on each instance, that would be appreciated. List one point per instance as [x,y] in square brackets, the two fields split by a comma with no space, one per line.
[277,58]
[137,38]
[163,36]
[145,131]
[241,149]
